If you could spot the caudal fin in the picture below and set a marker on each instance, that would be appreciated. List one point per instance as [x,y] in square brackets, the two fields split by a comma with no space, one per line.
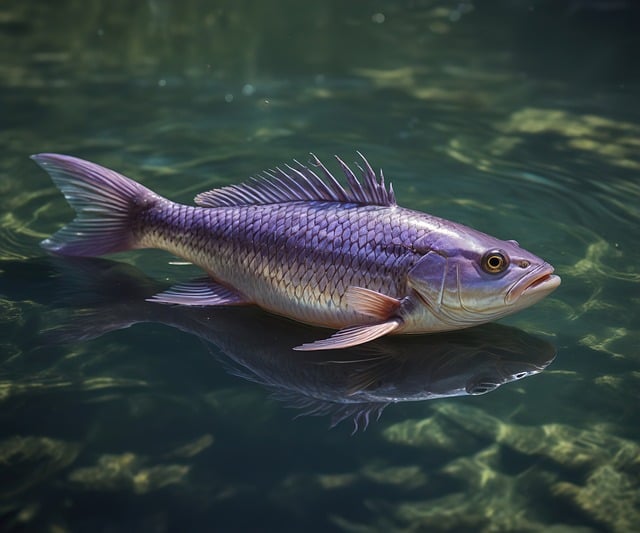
[105,202]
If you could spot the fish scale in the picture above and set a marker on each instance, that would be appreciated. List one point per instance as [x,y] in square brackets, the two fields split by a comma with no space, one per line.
[311,278]
[308,248]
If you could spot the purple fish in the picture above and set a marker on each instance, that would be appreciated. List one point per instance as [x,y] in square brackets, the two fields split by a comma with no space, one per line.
[298,243]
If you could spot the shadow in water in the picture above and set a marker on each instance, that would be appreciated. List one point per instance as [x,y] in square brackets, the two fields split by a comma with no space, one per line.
[100,296]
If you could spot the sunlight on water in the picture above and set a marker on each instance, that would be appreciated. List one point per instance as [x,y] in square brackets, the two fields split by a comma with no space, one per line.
[518,119]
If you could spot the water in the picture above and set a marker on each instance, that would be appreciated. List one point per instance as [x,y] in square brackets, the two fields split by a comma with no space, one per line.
[520,119]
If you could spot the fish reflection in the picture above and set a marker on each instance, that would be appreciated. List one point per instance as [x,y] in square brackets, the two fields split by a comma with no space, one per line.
[355,383]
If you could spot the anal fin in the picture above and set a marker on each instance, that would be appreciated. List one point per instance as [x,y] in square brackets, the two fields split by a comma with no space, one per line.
[202,292]
[352,336]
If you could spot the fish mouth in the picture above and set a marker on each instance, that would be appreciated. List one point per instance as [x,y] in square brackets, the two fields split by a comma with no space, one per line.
[538,284]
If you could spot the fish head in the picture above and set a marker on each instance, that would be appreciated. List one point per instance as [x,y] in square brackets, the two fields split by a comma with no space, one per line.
[466,277]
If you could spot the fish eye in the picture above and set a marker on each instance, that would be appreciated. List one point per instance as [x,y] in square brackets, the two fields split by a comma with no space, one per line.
[495,261]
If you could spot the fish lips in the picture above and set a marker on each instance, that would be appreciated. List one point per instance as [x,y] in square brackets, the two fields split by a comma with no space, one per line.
[534,286]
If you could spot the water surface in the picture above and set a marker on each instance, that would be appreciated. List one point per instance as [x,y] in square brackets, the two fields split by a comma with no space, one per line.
[520,119]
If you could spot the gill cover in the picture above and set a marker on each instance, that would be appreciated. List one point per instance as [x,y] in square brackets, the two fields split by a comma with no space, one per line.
[429,278]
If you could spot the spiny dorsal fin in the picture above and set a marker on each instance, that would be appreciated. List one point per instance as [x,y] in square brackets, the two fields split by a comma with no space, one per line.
[301,183]
[361,413]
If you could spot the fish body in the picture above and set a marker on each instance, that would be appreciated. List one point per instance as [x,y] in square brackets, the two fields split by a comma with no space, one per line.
[297,259]
[308,248]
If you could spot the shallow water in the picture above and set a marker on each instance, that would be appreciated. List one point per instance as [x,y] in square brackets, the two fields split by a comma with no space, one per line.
[519,119]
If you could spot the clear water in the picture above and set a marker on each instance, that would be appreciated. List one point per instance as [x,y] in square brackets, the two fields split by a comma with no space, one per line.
[518,118]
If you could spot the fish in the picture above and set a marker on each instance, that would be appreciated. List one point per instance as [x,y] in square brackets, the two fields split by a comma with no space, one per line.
[96,297]
[298,243]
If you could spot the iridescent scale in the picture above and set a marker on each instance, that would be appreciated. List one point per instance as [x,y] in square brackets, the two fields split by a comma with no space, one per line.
[295,258]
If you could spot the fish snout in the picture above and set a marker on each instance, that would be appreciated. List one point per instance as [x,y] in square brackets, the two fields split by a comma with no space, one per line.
[534,285]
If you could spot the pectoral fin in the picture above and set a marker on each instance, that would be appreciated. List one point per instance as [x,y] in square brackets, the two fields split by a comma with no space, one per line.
[203,291]
[352,336]
[371,303]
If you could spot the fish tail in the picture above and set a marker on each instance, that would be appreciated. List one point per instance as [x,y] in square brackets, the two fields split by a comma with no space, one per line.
[106,205]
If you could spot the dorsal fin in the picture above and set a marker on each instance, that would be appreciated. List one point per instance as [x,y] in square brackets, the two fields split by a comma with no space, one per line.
[361,413]
[301,183]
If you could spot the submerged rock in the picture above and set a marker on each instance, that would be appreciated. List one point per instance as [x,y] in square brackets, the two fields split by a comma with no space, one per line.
[608,496]
[28,461]
[490,501]
[127,472]
[434,432]
[572,447]
[499,489]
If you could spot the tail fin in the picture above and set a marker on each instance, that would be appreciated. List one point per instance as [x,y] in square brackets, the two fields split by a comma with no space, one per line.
[105,202]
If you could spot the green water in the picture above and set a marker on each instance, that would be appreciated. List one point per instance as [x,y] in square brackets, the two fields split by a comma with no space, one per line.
[518,118]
